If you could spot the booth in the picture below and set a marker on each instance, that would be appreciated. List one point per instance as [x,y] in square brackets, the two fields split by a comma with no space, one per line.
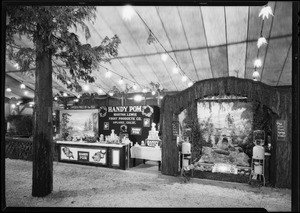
[103,136]
[96,154]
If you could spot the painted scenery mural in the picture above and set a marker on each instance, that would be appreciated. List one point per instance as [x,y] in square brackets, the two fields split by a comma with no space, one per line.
[226,128]
[79,125]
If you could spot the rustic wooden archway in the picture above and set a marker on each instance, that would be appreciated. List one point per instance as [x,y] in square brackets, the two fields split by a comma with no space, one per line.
[266,95]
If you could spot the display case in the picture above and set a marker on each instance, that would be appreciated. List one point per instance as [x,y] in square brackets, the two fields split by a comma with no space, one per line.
[96,154]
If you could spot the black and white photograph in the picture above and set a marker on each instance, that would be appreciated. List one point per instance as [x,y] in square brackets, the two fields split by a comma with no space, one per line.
[174,106]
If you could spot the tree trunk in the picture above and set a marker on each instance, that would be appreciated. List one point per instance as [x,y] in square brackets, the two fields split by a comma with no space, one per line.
[42,174]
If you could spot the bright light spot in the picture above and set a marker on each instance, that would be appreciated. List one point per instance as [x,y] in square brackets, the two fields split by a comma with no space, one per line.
[164,56]
[121,81]
[55,98]
[18,103]
[13,106]
[25,92]
[8,89]
[76,100]
[175,70]
[65,94]
[107,74]
[22,86]
[261,41]
[134,87]
[111,93]
[128,13]
[265,12]
[138,98]
[68,82]
[190,83]
[257,63]
[161,97]
[86,87]
[16,65]
[153,92]
[100,91]
[78,96]
[184,78]
[144,90]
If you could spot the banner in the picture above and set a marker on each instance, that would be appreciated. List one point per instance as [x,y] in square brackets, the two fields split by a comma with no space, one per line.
[132,120]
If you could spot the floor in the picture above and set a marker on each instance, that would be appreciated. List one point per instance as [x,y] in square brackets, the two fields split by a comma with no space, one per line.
[142,186]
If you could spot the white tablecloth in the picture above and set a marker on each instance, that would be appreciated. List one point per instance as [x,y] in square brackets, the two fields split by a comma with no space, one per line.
[146,152]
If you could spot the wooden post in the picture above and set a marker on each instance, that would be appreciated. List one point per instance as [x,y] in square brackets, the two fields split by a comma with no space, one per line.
[42,172]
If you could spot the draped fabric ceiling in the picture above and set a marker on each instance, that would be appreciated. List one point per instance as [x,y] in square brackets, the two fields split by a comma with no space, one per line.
[205,41]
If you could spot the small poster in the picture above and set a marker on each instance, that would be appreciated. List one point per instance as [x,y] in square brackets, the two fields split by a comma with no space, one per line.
[106,126]
[83,156]
[175,127]
[136,131]
[146,122]
[281,130]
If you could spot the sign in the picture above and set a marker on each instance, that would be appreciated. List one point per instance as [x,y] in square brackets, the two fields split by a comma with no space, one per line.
[175,127]
[83,156]
[152,142]
[136,131]
[281,130]
[132,120]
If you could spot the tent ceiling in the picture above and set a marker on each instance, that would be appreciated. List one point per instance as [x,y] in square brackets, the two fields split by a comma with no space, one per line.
[206,42]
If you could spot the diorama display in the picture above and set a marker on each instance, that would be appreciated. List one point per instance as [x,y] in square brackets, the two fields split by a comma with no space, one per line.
[226,132]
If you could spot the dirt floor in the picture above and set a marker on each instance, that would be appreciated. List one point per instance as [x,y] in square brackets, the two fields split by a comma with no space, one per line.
[141,186]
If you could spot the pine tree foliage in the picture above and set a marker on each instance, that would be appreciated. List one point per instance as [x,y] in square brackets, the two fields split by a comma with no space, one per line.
[73,60]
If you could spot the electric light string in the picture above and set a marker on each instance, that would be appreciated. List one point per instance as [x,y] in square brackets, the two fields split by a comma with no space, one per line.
[265,12]
[151,32]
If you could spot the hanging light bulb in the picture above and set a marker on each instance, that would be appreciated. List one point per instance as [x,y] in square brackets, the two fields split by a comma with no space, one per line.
[134,86]
[22,86]
[257,63]
[65,94]
[76,100]
[111,93]
[55,98]
[8,89]
[261,41]
[184,78]
[138,98]
[17,66]
[107,74]
[121,81]
[190,83]
[79,95]
[25,92]
[153,92]
[128,12]
[161,97]
[175,70]
[100,91]
[86,87]
[164,56]
[144,90]
[13,106]
[265,12]
[255,75]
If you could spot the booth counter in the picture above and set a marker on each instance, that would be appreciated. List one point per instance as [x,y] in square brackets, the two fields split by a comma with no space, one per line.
[96,154]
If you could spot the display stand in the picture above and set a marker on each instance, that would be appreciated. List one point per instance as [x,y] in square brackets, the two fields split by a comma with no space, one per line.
[257,169]
[185,161]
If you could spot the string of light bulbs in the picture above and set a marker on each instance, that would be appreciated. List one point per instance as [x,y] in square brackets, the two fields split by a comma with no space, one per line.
[264,13]
[130,10]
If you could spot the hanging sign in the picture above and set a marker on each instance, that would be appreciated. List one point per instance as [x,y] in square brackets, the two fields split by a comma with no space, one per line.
[281,130]
[175,127]
[132,120]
